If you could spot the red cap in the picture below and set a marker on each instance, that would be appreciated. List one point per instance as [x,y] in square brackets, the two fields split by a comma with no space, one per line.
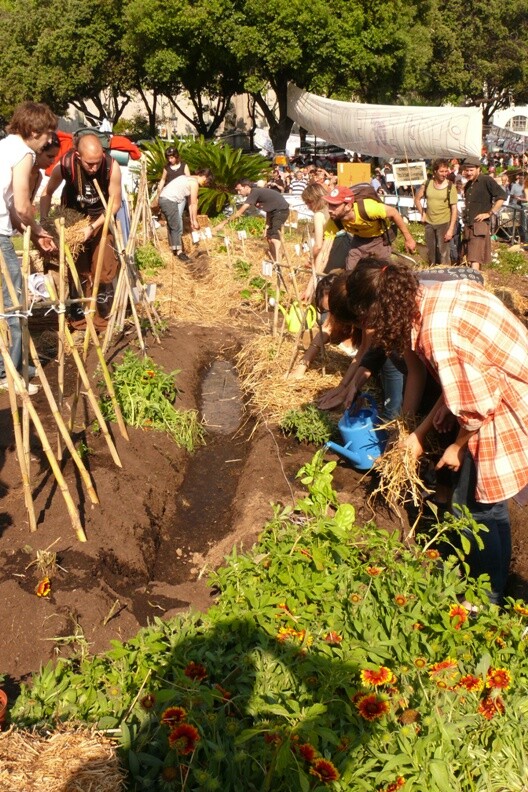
[340,195]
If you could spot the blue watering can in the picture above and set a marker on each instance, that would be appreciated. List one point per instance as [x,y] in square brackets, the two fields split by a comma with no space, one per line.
[363,441]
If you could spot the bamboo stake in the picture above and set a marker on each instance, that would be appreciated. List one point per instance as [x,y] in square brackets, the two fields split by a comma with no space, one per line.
[104,368]
[86,382]
[25,344]
[98,266]
[4,331]
[51,400]
[62,320]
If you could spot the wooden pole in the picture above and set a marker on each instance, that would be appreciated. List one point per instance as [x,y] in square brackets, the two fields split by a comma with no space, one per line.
[25,344]
[62,320]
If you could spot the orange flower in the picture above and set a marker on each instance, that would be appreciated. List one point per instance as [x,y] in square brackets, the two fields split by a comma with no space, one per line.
[150,373]
[307,752]
[432,554]
[325,771]
[374,571]
[400,781]
[226,695]
[445,665]
[173,715]
[288,632]
[195,671]
[490,706]
[183,738]
[420,662]
[521,609]
[459,614]
[498,678]
[471,683]
[400,600]
[376,677]
[332,638]
[417,626]
[43,588]
[355,598]
[372,707]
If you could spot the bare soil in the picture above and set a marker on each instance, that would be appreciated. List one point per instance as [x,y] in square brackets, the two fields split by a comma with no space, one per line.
[164,519]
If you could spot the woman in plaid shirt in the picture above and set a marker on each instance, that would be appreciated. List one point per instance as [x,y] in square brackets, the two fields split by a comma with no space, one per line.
[477,350]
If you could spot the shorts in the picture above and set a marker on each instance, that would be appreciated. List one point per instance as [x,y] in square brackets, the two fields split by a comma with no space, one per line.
[476,243]
[275,220]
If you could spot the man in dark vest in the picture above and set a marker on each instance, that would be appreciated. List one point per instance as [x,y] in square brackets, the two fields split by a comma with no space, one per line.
[84,164]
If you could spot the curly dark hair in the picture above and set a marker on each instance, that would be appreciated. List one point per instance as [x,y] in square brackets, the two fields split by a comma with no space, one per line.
[381,296]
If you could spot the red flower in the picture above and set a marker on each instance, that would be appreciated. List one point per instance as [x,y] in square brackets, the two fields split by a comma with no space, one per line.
[307,752]
[226,695]
[173,715]
[417,626]
[400,600]
[183,738]
[432,554]
[273,738]
[325,771]
[471,683]
[376,677]
[459,614]
[445,665]
[148,701]
[395,785]
[498,678]
[195,671]
[374,571]
[43,588]
[333,638]
[490,706]
[372,707]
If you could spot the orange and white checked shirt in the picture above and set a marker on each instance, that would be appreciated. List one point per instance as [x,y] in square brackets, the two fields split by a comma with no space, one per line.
[479,352]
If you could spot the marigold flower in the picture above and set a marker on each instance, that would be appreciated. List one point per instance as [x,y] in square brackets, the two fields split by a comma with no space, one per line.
[288,632]
[400,600]
[307,752]
[332,638]
[355,598]
[183,738]
[372,707]
[148,701]
[409,716]
[471,683]
[520,609]
[432,554]
[395,785]
[374,571]
[150,373]
[273,738]
[173,715]
[498,678]
[375,677]
[490,706]
[325,771]
[43,588]
[445,665]
[195,671]
[420,662]
[459,614]
[417,626]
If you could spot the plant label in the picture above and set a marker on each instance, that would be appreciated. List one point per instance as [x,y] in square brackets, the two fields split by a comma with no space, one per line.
[267,268]
[242,234]
[297,250]
[208,234]
[196,236]
[305,247]
[227,241]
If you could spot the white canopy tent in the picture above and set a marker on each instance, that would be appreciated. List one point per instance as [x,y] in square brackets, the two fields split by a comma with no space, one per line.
[389,130]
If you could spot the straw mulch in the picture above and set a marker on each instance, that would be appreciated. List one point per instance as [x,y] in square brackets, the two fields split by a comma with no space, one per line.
[78,760]
[262,376]
[74,226]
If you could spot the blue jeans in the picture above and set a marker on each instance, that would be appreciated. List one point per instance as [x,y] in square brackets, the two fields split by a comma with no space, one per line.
[173,212]
[494,559]
[13,266]
[392,384]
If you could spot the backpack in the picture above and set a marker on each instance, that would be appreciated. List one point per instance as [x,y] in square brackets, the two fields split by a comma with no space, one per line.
[448,194]
[365,190]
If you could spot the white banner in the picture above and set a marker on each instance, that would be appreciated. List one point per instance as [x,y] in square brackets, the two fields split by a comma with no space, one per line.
[389,130]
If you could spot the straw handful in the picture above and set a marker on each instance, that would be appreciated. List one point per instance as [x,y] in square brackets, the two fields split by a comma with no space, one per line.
[75,225]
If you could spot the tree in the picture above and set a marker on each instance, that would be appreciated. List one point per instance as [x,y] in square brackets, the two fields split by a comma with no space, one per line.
[183,47]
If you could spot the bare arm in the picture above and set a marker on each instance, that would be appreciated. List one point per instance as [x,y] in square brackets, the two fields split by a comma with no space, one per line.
[193,206]
[395,216]
[415,382]
[53,183]
[239,212]
[418,202]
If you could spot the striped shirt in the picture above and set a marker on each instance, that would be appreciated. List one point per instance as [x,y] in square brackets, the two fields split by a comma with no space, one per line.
[478,350]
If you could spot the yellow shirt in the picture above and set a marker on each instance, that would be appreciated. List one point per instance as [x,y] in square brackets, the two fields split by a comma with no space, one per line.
[367,229]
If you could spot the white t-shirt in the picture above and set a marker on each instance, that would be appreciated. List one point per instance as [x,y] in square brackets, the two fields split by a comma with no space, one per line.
[177,190]
[12,151]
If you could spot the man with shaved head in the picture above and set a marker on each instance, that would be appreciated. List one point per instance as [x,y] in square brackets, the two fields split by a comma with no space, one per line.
[82,166]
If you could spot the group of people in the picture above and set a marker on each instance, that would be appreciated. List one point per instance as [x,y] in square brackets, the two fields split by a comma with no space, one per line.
[90,178]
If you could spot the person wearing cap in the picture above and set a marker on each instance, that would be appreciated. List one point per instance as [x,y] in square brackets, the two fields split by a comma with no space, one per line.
[367,224]
[483,199]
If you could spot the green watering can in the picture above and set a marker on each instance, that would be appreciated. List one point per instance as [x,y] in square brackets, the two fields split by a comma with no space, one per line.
[293,317]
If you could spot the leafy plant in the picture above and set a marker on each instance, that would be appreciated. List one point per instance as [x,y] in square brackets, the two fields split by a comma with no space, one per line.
[148,260]
[509,261]
[309,424]
[335,657]
[242,269]
[227,164]
[146,394]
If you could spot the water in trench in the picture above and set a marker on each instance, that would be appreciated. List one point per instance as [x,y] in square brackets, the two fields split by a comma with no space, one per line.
[204,501]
